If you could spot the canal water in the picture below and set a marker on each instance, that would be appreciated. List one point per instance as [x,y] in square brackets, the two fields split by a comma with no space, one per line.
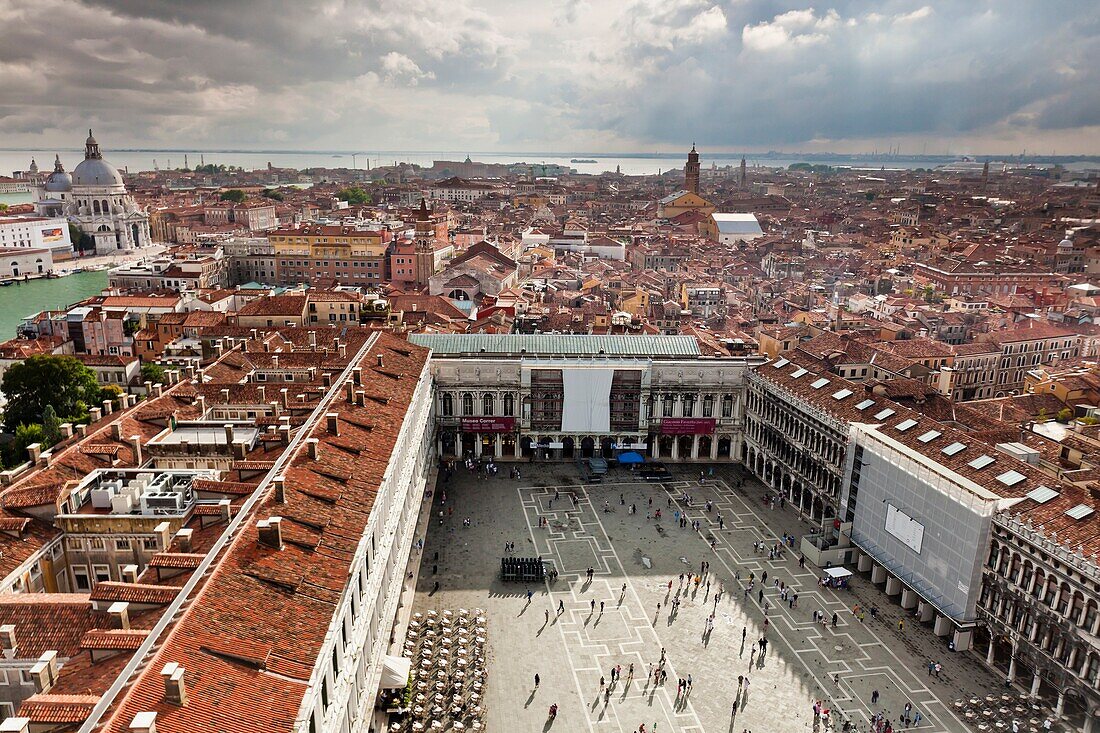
[22,299]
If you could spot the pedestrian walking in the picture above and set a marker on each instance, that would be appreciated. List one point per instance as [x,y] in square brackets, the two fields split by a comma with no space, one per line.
[874,697]
[561,607]
[601,608]
[536,680]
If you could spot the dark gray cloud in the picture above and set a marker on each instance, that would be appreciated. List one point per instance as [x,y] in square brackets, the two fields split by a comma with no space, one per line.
[572,75]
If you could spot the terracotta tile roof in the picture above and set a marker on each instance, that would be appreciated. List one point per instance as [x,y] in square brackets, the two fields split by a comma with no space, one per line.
[57,709]
[177,560]
[114,639]
[223,487]
[45,621]
[112,591]
[256,629]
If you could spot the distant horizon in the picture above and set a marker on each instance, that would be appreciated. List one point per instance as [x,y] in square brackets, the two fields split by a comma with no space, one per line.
[672,155]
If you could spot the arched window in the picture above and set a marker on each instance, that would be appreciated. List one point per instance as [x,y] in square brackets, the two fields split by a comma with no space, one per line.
[689,405]
[666,407]
[509,407]
[447,405]
[708,405]
[95,206]
[488,405]
[467,404]
[106,209]
[727,406]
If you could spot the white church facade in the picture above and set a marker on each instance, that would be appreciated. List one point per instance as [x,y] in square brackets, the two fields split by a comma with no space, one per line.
[95,199]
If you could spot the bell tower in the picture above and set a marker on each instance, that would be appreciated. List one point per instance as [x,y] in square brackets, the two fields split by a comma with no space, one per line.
[691,172]
[424,255]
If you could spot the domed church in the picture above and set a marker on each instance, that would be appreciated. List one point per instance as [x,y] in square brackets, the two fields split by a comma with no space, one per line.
[95,199]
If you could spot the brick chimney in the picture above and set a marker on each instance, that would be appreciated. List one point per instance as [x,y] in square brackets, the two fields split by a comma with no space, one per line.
[34,451]
[349,389]
[116,428]
[381,363]
[129,573]
[280,489]
[271,532]
[183,539]
[314,448]
[357,376]
[175,691]
[108,407]
[120,614]
[7,641]
[332,421]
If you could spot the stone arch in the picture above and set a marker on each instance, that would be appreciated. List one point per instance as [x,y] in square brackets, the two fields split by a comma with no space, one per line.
[588,446]
[725,446]
[568,446]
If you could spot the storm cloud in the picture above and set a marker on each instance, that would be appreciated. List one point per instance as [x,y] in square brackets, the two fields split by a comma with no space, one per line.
[573,75]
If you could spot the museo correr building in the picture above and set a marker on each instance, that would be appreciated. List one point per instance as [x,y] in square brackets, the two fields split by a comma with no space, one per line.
[561,397]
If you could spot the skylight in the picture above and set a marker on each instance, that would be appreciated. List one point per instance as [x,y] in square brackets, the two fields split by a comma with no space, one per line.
[930,436]
[865,404]
[781,363]
[1011,478]
[884,414]
[954,448]
[818,384]
[905,425]
[981,461]
[1080,511]
[799,372]
[842,394]
[1042,494]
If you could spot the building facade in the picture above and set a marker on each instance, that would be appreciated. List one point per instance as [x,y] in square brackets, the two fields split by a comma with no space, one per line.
[557,397]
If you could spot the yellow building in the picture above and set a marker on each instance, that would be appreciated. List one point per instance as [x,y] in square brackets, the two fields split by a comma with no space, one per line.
[329,241]
[681,202]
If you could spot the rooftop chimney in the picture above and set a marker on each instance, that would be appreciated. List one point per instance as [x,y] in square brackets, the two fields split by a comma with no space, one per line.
[349,389]
[175,691]
[7,640]
[66,430]
[95,414]
[342,349]
[271,532]
[357,376]
[228,433]
[280,489]
[144,722]
[333,421]
[286,396]
[202,405]
[120,614]
[34,450]
[129,573]
[135,443]
[361,397]
[116,429]
[381,364]
[314,448]
[263,393]
[49,658]
[15,725]
[313,339]
[108,407]
[326,379]
[183,538]
[275,360]
[225,394]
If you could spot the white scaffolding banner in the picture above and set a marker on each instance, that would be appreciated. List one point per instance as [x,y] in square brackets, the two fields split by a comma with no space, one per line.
[587,407]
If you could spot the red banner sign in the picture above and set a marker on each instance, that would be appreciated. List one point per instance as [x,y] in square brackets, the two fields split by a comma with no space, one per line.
[687,425]
[488,424]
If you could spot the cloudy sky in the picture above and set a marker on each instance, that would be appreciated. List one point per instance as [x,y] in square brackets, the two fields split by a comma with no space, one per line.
[553,75]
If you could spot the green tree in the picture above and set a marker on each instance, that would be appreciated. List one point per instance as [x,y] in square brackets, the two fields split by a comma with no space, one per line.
[1064,415]
[25,435]
[274,195]
[235,195]
[80,240]
[354,195]
[151,372]
[47,379]
[3,207]
[51,425]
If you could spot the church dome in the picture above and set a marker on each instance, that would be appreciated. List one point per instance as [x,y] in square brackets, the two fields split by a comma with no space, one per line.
[59,181]
[94,170]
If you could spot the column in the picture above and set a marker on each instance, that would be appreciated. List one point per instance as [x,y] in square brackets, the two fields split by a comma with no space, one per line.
[497,450]
[992,653]
[908,598]
[714,449]
[927,612]
[1012,666]
[942,626]
[893,586]
[655,447]
[675,448]
[1036,680]
[694,447]
[864,563]
[477,445]
[878,574]
[1061,706]
[964,638]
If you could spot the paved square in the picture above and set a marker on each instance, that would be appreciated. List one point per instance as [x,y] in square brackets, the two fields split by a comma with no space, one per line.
[575,630]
